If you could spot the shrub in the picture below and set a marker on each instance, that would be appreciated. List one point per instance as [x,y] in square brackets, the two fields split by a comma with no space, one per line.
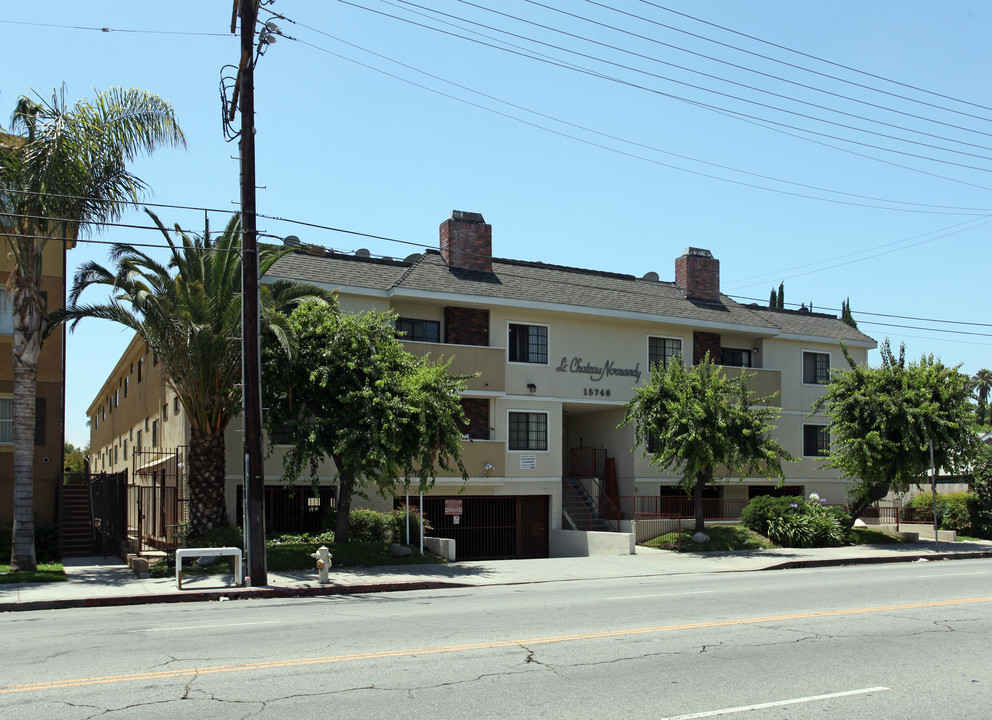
[369,526]
[955,511]
[397,524]
[814,527]
[221,536]
[47,546]
[763,508]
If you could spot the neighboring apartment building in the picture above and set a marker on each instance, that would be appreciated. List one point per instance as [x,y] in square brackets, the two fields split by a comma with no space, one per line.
[49,428]
[556,352]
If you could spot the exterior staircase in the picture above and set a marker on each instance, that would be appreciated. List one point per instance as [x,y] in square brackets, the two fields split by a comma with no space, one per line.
[579,509]
[76,523]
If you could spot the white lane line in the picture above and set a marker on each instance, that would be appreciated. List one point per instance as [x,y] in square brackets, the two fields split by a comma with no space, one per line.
[761,706]
[658,595]
[202,627]
[943,575]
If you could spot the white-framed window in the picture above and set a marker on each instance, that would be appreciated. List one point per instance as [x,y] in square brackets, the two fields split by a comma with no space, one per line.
[816,440]
[6,420]
[527,431]
[528,343]
[155,433]
[663,349]
[816,368]
[6,312]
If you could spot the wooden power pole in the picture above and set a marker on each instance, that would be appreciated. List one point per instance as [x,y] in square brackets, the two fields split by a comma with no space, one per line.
[254,497]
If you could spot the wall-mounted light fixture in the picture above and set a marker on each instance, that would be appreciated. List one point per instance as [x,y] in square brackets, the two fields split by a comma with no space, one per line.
[489,466]
[532,387]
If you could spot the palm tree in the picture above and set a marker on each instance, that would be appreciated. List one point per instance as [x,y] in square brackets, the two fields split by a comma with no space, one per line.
[62,170]
[982,383]
[188,311]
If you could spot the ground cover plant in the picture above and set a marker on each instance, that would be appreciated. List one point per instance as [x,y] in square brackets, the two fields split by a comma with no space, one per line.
[45,572]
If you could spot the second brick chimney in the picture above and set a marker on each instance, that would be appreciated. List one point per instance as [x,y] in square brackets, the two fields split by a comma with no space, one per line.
[697,273]
[467,242]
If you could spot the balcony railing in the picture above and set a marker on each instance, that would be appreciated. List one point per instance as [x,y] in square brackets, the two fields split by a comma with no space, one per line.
[761,382]
[488,362]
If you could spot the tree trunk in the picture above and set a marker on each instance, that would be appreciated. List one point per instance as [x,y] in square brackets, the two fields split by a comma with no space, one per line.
[874,494]
[207,508]
[28,317]
[702,478]
[346,486]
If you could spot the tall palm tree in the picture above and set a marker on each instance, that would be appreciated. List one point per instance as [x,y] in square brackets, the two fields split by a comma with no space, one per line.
[982,384]
[62,170]
[188,311]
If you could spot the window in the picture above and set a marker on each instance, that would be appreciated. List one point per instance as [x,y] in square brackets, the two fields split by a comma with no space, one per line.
[732,357]
[117,397]
[6,420]
[816,440]
[165,411]
[529,344]
[127,384]
[528,431]
[175,405]
[661,350]
[816,368]
[6,313]
[125,451]
[419,330]
[141,366]
[155,426]
[137,442]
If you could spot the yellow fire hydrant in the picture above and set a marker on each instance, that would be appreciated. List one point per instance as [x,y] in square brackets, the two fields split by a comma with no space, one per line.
[323,558]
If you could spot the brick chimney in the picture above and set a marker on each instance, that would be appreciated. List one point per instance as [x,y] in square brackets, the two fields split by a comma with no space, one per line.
[467,242]
[697,274]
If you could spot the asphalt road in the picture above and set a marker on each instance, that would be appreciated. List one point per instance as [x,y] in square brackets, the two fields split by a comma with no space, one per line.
[894,641]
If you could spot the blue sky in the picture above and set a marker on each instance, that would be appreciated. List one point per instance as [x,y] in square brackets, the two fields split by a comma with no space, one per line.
[610,137]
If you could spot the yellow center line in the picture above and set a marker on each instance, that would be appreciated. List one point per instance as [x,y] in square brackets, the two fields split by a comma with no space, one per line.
[297,662]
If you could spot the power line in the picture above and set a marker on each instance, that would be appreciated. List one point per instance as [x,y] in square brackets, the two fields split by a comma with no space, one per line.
[960,210]
[811,57]
[703,89]
[115,30]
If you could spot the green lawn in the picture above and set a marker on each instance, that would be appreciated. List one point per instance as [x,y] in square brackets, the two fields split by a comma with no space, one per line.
[46,572]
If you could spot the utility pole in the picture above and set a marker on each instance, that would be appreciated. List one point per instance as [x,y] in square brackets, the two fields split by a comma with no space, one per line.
[251,365]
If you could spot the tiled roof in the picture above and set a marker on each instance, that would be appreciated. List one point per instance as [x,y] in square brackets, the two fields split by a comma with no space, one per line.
[545,284]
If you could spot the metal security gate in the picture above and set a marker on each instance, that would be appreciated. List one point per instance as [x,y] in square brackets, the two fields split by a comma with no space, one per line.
[492,528]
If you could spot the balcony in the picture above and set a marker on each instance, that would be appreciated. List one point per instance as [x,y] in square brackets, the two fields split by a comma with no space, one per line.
[475,455]
[489,362]
[761,382]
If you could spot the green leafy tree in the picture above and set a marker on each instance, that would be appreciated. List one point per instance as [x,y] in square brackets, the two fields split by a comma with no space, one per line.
[882,420]
[63,170]
[781,296]
[845,313]
[697,420]
[982,384]
[773,299]
[355,395]
[75,458]
[188,311]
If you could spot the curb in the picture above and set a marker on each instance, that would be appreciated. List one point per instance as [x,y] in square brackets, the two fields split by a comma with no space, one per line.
[836,562]
[231,594]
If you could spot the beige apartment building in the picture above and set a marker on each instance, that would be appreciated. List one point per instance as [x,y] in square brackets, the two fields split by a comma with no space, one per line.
[49,435]
[556,352]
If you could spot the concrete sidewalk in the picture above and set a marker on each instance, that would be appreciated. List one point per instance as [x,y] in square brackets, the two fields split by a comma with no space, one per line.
[103,582]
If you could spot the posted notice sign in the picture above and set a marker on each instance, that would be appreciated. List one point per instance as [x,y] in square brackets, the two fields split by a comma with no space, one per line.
[453,507]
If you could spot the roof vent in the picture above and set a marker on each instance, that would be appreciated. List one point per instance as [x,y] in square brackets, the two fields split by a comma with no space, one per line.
[412,257]
[652,276]
[291,241]
[363,253]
